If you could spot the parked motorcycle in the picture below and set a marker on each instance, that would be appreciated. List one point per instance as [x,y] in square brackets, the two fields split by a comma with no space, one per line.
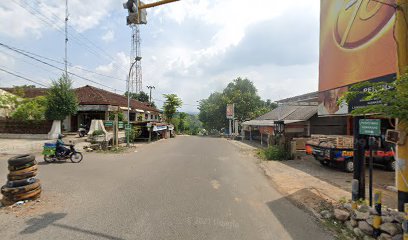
[83,130]
[51,154]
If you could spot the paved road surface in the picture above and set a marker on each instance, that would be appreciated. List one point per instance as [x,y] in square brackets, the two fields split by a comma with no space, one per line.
[183,188]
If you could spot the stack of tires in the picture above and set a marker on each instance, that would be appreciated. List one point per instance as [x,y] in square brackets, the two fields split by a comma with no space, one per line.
[22,183]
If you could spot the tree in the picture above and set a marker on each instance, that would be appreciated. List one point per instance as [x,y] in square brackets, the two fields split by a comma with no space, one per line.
[61,100]
[31,109]
[141,96]
[170,105]
[182,125]
[243,93]
[393,97]
[8,102]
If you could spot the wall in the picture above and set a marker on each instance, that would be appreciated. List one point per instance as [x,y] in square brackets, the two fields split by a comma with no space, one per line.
[25,127]
[328,125]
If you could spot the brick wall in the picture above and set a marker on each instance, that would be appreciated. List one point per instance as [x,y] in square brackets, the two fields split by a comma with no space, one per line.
[25,127]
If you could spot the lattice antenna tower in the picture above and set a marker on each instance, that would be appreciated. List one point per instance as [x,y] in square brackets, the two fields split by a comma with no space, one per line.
[136,78]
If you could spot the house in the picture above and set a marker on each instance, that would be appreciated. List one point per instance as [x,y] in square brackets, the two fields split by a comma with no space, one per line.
[96,103]
[297,116]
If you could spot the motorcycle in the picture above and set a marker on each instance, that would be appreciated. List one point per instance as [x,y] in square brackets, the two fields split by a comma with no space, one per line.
[51,154]
[83,130]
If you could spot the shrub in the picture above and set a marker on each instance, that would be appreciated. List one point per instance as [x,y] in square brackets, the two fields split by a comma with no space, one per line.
[98,133]
[276,153]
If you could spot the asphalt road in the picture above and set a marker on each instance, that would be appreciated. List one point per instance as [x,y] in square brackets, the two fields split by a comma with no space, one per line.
[183,188]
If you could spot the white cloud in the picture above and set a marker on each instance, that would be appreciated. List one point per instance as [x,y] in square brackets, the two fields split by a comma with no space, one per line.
[109,36]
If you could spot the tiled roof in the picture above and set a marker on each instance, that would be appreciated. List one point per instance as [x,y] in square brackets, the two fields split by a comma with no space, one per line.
[89,95]
[28,92]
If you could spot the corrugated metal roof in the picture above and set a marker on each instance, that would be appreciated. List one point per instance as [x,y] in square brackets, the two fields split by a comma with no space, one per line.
[289,114]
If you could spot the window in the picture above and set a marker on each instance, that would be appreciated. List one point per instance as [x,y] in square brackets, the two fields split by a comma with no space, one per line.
[146,116]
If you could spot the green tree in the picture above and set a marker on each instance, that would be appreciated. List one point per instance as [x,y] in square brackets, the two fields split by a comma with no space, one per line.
[8,102]
[182,125]
[172,103]
[142,96]
[394,103]
[61,99]
[31,109]
[248,104]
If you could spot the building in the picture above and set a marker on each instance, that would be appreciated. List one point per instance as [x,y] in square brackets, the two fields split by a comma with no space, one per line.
[96,103]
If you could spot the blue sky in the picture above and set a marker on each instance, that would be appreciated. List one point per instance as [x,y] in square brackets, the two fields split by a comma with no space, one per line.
[191,47]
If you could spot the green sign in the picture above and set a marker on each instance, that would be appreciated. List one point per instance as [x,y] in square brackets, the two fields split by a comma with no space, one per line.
[370,127]
[127,126]
[108,124]
[120,125]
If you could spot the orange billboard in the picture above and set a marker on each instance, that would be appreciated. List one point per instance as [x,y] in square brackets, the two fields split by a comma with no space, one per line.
[356,42]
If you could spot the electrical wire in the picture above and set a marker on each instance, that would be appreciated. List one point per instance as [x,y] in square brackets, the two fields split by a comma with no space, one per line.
[80,42]
[53,66]
[27,79]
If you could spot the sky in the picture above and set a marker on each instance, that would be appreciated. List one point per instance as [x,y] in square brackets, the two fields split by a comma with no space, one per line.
[191,48]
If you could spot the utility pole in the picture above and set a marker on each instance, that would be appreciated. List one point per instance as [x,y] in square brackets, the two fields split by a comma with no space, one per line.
[66,39]
[402,150]
[150,88]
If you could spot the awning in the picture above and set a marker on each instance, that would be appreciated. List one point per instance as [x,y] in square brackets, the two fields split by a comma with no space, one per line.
[139,110]
[159,128]
[148,112]
[124,108]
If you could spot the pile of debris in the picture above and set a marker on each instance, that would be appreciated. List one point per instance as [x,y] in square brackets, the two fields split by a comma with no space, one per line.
[21,182]
[361,221]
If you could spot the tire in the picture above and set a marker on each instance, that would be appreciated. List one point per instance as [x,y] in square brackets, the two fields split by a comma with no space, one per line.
[20,183]
[33,194]
[20,160]
[6,191]
[391,166]
[23,171]
[76,157]
[22,177]
[81,134]
[27,165]
[49,159]
[349,166]
[324,163]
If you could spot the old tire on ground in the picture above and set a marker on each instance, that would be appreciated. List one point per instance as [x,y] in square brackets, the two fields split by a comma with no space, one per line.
[33,194]
[24,166]
[23,171]
[21,176]
[76,157]
[20,183]
[6,191]
[21,159]
[349,165]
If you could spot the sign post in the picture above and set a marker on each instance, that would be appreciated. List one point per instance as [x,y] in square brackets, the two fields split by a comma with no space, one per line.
[230,116]
[371,128]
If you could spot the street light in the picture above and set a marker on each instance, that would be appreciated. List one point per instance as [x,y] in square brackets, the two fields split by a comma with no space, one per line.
[128,95]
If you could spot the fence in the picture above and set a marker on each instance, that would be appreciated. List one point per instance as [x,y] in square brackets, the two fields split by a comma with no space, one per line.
[25,127]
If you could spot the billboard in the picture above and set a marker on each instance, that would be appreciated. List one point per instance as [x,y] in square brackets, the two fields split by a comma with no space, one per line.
[230,111]
[356,44]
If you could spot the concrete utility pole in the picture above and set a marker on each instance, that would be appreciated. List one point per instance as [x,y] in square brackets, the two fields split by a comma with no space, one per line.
[150,96]
[402,150]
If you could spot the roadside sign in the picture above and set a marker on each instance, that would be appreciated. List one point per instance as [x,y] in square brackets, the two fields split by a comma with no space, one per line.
[120,125]
[108,124]
[370,127]
[230,111]
[127,126]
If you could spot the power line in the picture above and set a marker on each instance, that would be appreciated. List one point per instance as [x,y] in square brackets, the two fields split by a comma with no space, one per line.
[80,42]
[70,64]
[53,66]
[16,75]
